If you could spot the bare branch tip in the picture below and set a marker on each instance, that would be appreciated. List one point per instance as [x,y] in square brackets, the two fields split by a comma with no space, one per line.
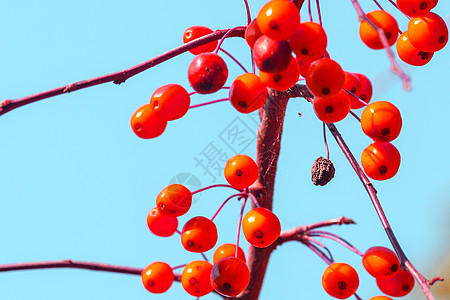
[345,220]
[434,280]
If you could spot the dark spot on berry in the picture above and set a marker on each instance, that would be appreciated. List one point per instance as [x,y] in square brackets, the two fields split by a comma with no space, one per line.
[388,35]
[304,51]
[150,283]
[205,86]
[394,268]
[137,127]
[242,104]
[155,104]
[273,25]
[353,90]
[259,234]
[405,287]
[325,91]
[206,69]
[193,281]
[162,206]
[190,243]
[423,5]
[342,285]
[238,173]
[442,39]
[276,77]
[227,286]
[385,131]
[424,55]
[172,211]
[382,170]
[363,97]
[329,109]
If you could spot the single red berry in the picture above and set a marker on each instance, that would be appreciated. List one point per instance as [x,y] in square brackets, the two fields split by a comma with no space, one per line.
[261,227]
[194,32]
[230,276]
[199,234]
[385,22]
[397,286]
[428,33]
[410,54]
[381,262]
[157,277]
[380,161]
[352,84]
[252,33]
[146,124]
[365,94]
[228,250]
[325,77]
[170,102]
[247,93]
[309,42]
[284,80]
[160,224]
[196,278]
[415,8]
[381,121]
[332,109]
[241,171]
[278,19]
[207,73]
[270,55]
[174,200]
[340,280]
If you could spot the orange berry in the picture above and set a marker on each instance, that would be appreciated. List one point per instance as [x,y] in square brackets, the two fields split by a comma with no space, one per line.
[397,286]
[194,32]
[332,109]
[199,234]
[170,102]
[195,278]
[380,161]
[309,42]
[283,80]
[340,280]
[157,277]
[381,262]
[410,54]
[146,124]
[228,250]
[241,171]
[174,200]
[278,19]
[382,20]
[365,94]
[325,77]
[381,121]
[261,227]
[247,93]
[380,298]
[415,8]
[160,224]
[428,33]
[230,276]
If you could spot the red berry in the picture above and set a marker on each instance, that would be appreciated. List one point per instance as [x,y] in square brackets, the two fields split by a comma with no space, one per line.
[174,200]
[170,102]
[282,81]
[230,276]
[428,33]
[157,277]
[195,278]
[199,234]
[160,224]
[365,93]
[380,161]
[252,33]
[304,65]
[207,73]
[332,109]
[247,93]
[381,262]
[415,8]
[340,280]
[381,121]
[241,171]
[385,22]
[261,227]
[352,84]
[278,19]
[146,124]
[410,54]
[309,42]
[228,250]
[397,286]
[325,77]
[270,55]
[194,32]
[435,2]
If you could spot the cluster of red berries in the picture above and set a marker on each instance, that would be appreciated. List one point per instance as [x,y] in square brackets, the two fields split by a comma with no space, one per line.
[229,274]
[341,281]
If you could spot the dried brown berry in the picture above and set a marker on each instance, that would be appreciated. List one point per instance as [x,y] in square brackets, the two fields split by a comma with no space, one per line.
[322,171]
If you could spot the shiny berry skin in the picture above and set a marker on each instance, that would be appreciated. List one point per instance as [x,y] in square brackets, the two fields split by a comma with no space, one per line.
[270,55]
[199,234]
[381,121]
[382,20]
[207,73]
[241,171]
[415,8]
[247,93]
[435,2]
[381,262]
[195,278]
[352,84]
[146,124]
[325,77]
[174,200]
[309,42]
[365,93]
[332,109]
[194,32]
[340,280]
[160,224]
[304,65]
[157,277]
[230,276]
[380,298]
[261,227]
[428,33]
[252,33]
[380,161]
[284,80]
[170,102]
[410,54]
[397,286]
[228,250]
[278,19]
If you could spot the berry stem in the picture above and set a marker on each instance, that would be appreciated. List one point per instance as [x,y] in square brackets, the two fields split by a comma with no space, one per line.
[239,227]
[234,59]
[247,8]
[214,186]
[309,11]
[335,238]
[319,244]
[325,141]
[318,12]
[230,31]
[204,256]
[356,116]
[319,252]
[356,97]
[253,199]
[209,102]
[179,267]
[225,202]
[378,4]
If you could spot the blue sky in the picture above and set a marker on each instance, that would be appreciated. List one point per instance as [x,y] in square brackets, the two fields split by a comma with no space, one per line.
[77,183]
